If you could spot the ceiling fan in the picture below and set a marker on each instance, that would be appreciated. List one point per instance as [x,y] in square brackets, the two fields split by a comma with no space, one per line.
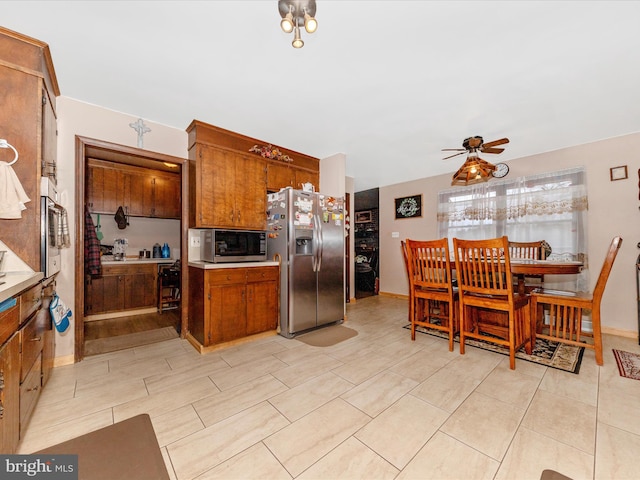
[475,169]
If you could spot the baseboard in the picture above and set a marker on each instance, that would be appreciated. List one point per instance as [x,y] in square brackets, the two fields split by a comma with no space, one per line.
[619,332]
[394,295]
[123,313]
[239,341]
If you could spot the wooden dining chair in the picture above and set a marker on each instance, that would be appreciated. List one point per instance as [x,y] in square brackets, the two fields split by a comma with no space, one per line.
[529,251]
[432,297]
[566,309]
[485,284]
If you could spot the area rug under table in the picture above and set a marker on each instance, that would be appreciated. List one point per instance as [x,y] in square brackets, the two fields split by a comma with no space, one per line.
[628,364]
[550,354]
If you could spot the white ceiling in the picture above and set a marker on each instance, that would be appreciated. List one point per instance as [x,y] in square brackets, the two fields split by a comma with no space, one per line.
[387,83]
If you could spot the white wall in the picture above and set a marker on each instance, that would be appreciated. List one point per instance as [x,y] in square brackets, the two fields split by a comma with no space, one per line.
[82,119]
[613,210]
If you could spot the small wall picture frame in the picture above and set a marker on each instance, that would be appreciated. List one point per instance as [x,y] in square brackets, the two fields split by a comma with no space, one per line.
[364,216]
[409,207]
[618,173]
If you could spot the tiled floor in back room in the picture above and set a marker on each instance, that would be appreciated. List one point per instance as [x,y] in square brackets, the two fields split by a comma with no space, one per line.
[375,406]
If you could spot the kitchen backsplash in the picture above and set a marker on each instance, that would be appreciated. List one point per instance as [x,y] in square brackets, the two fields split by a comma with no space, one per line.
[141,233]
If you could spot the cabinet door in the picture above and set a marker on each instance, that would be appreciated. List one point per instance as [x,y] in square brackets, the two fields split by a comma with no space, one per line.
[104,293]
[107,189]
[140,198]
[215,188]
[140,291]
[250,192]
[227,310]
[304,176]
[279,176]
[166,196]
[49,138]
[262,306]
[10,395]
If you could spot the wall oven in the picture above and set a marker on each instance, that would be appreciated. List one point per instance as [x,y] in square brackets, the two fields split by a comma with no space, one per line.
[50,228]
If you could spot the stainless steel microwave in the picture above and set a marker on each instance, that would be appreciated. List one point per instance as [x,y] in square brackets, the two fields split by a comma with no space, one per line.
[224,246]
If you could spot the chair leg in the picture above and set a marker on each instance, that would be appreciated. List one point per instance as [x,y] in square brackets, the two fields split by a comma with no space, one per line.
[462,320]
[412,315]
[597,335]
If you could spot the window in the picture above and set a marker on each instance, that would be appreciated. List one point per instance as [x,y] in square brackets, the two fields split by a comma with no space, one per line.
[551,207]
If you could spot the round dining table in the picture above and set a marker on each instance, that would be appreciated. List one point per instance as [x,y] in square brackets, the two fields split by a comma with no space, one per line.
[523,267]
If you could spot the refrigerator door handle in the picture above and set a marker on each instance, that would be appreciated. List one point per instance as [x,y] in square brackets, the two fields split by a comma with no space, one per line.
[320,242]
[314,252]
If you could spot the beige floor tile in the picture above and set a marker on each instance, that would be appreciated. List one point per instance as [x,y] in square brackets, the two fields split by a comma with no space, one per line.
[510,386]
[177,424]
[303,371]
[475,363]
[109,395]
[445,389]
[422,364]
[363,368]
[620,407]
[445,458]
[578,387]
[350,460]
[167,463]
[255,463]
[42,436]
[531,453]
[226,379]
[173,379]
[617,454]
[213,445]
[301,353]
[303,399]
[249,352]
[484,423]
[161,403]
[219,406]
[563,419]
[305,441]
[379,392]
[527,368]
[141,368]
[401,430]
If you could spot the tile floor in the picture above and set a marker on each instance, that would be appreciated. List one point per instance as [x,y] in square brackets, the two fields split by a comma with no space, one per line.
[374,406]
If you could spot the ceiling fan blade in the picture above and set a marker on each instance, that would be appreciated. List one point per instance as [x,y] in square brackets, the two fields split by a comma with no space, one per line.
[454,155]
[454,149]
[492,150]
[496,142]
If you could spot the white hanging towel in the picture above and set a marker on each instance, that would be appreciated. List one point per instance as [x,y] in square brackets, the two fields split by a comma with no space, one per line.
[12,195]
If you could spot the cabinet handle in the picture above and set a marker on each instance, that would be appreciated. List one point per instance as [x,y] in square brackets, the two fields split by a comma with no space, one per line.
[1,410]
[238,215]
[2,379]
[34,389]
[231,216]
[36,339]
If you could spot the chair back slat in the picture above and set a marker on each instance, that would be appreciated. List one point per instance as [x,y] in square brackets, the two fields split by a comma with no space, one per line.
[527,250]
[598,291]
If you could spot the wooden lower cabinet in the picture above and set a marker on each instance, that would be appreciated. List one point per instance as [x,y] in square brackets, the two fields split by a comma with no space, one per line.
[121,287]
[10,393]
[230,303]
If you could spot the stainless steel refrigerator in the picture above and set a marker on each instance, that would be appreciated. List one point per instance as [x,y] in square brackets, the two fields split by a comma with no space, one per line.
[306,233]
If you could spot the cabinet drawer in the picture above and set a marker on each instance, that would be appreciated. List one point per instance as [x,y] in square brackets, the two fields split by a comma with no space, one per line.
[130,269]
[29,392]
[8,323]
[30,301]
[32,341]
[262,274]
[227,276]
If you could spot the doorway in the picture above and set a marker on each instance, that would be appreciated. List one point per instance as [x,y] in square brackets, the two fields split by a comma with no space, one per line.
[121,324]
[366,243]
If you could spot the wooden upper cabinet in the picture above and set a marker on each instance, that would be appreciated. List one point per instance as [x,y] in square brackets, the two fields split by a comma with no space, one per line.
[141,192]
[229,184]
[230,189]
[305,176]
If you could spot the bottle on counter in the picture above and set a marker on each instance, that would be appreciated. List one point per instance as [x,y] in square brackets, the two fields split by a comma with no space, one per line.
[166,251]
[157,251]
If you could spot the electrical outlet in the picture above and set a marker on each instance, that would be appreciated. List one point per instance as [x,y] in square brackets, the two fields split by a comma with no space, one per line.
[195,241]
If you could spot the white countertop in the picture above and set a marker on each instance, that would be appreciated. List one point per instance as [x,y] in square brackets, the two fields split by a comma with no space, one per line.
[137,261]
[209,265]
[16,282]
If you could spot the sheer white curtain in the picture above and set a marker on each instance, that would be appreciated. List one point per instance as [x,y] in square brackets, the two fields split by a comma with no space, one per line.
[551,207]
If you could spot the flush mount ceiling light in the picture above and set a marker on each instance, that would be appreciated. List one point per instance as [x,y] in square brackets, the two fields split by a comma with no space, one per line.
[295,13]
